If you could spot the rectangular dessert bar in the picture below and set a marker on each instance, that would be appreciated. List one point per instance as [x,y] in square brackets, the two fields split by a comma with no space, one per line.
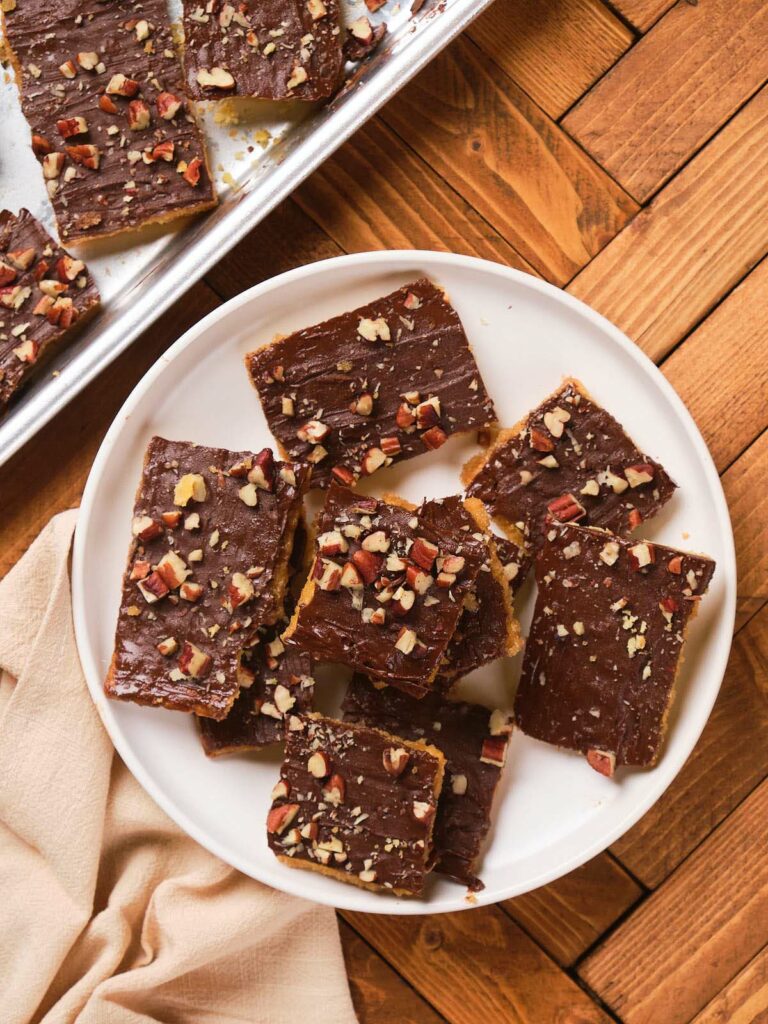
[102,91]
[386,589]
[45,295]
[567,460]
[208,566]
[271,49]
[356,804]
[488,628]
[385,382]
[606,643]
[474,742]
[275,684]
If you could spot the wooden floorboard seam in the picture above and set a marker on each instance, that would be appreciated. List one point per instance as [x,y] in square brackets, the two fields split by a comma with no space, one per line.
[448,184]
[620,16]
[650,893]
[695,326]
[568,135]
[591,994]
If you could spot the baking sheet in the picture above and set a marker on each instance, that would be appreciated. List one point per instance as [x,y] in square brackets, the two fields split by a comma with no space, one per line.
[257,161]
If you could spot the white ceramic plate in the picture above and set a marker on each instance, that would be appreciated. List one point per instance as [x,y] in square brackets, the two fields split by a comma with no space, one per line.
[552,812]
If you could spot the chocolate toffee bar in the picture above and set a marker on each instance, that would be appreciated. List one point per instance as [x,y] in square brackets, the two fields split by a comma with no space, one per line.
[101,89]
[272,49]
[45,295]
[208,566]
[387,381]
[567,460]
[487,629]
[606,643]
[275,683]
[356,804]
[386,589]
[474,742]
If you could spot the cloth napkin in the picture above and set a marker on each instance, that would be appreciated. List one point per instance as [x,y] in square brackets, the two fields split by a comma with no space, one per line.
[109,913]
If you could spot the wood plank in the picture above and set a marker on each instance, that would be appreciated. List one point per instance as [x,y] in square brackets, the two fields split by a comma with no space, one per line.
[743,1000]
[730,759]
[689,939]
[49,473]
[747,497]
[519,170]
[673,90]
[554,50]
[285,239]
[477,966]
[642,13]
[379,994]
[692,244]
[721,370]
[376,193]
[569,915]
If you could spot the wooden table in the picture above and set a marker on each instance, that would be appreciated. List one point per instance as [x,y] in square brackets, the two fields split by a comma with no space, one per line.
[619,150]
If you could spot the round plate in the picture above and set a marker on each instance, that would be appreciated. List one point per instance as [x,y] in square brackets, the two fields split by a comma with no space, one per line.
[552,811]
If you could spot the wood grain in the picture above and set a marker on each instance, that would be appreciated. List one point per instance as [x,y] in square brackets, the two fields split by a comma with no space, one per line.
[747,496]
[379,994]
[744,1000]
[470,158]
[567,916]
[730,759]
[49,473]
[287,238]
[673,90]
[477,966]
[689,939]
[642,13]
[730,408]
[376,193]
[554,50]
[519,170]
[692,244]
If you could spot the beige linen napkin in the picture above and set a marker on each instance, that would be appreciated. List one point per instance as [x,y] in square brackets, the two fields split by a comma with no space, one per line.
[109,914]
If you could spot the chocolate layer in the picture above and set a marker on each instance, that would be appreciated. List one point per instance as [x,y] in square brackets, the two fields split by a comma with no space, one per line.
[568,460]
[516,562]
[384,382]
[606,643]
[272,49]
[387,586]
[275,683]
[356,804]
[207,567]
[45,295]
[474,741]
[488,628]
[102,91]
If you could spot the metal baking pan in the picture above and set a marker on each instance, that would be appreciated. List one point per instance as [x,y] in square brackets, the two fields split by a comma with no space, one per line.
[257,162]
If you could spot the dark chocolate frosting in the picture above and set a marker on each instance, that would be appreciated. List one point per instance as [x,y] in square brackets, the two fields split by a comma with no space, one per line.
[366,608]
[570,460]
[345,812]
[273,49]
[233,537]
[114,66]
[397,389]
[606,642]
[486,630]
[275,683]
[474,742]
[44,296]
